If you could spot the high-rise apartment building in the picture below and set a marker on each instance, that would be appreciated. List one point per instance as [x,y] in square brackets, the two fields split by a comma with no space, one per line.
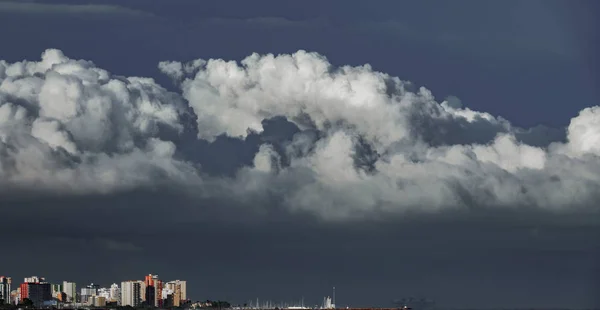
[158,288]
[36,290]
[115,293]
[183,285]
[177,296]
[178,288]
[70,289]
[149,293]
[89,291]
[142,291]
[5,283]
[153,294]
[130,293]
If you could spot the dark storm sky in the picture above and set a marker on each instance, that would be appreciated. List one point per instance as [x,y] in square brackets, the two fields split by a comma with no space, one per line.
[531,62]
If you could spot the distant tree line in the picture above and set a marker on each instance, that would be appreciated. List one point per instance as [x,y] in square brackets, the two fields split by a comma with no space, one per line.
[218,304]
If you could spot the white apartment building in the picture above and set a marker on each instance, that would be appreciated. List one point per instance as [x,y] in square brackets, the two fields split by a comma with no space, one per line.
[130,293]
[104,292]
[70,289]
[5,283]
[179,289]
[172,285]
[115,293]
[89,291]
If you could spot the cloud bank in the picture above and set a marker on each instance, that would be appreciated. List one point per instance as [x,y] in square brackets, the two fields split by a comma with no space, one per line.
[366,143]
[23,7]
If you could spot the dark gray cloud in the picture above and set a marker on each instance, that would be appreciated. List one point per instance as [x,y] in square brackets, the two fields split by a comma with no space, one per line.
[509,258]
[41,8]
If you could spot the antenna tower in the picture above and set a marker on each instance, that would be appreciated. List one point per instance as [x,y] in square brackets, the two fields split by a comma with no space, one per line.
[334,297]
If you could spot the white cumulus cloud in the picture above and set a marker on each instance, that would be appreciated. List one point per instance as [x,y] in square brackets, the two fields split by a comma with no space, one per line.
[68,125]
[368,142]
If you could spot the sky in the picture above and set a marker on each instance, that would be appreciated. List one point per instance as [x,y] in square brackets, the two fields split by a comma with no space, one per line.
[273,150]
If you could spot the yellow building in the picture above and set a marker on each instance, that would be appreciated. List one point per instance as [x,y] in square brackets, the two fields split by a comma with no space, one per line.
[100,301]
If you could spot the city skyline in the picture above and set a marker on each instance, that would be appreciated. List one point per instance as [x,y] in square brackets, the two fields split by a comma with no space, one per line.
[151,291]
[135,293]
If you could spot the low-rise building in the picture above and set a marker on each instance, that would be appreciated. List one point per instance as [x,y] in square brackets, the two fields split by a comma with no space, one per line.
[99,301]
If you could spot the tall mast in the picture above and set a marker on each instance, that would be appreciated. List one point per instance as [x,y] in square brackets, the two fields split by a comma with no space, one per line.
[334,297]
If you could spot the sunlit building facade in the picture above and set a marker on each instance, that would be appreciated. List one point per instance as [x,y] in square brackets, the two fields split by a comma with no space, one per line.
[70,289]
[5,288]
[130,293]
